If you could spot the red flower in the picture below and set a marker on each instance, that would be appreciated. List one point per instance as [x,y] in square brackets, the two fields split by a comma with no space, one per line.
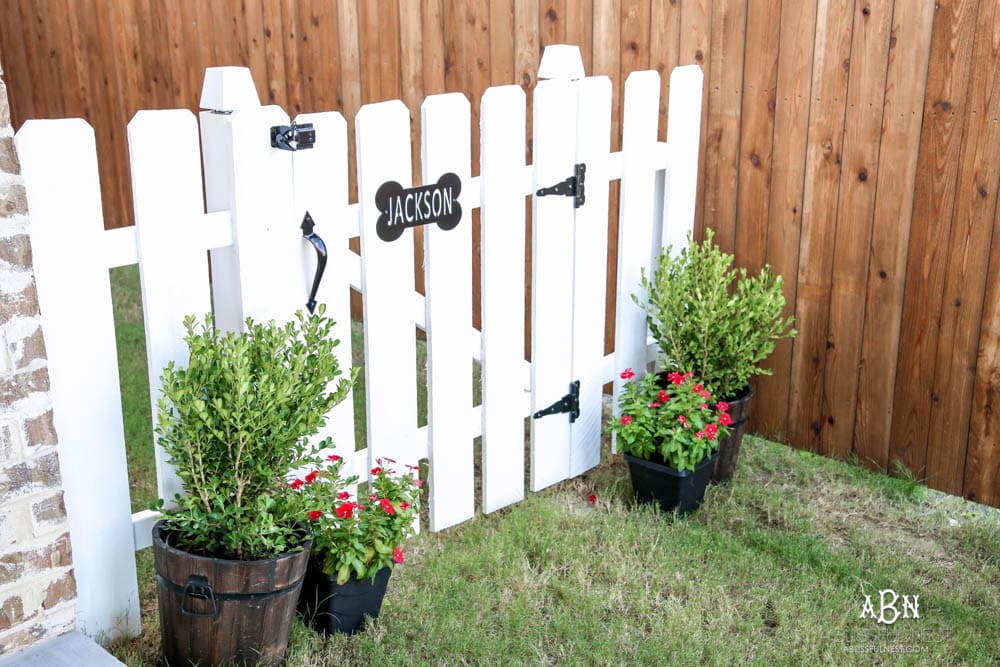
[343,495]
[420,483]
[626,420]
[376,471]
[655,404]
[311,477]
[387,506]
[682,419]
[592,499]
[404,505]
[687,425]
[697,389]
[412,467]
[345,511]
[397,555]
[688,375]
[662,396]
[675,377]
[333,457]
[703,406]
[297,484]
[315,514]
[722,406]
[712,430]
[627,374]
[725,419]
[705,395]
[701,435]
[373,497]
[390,460]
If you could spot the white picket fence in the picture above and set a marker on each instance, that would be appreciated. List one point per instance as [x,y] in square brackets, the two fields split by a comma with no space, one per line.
[256,196]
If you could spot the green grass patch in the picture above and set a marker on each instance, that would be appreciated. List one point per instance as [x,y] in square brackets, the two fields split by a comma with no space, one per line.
[771,570]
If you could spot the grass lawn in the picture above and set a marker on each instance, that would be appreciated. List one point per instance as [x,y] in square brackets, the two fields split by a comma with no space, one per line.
[772,569]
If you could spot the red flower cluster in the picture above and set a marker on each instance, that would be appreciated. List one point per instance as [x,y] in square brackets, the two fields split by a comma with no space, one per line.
[297,484]
[627,374]
[387,506]
[311,477]
[315,514]
[346,510]
[397,555]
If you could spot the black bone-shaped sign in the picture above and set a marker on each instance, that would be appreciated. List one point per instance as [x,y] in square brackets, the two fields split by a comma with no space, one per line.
[402,208]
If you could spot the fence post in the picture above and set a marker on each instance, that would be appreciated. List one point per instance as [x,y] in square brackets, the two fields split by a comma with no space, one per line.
[74,296]
[683,132]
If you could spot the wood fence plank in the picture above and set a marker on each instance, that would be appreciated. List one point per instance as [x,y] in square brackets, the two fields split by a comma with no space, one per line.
[503,130]
[982,467]
[350,86]
[253,20]
[552,22]
[695,39]
[432,39]
[635,220]
[295,96]
[387,278]
[906,77]
[934,199]
[501,34]
[274,32]
[968,261]
[791,124]
[368,28]
[590,249]
[552,279]
[446,148]
[173,268]
[859,164]
[760,79]
[664,50]
[722,149]
[321,189]
[580,30]
[66,234]
[819,219]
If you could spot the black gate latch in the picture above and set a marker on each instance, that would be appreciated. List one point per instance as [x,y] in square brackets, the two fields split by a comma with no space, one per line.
[293,137]
[309,235]
[569,403]
[571,187]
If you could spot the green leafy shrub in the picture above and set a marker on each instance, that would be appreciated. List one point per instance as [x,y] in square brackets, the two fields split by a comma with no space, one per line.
[236,421]
[679,422]
[351,536]
[709,318]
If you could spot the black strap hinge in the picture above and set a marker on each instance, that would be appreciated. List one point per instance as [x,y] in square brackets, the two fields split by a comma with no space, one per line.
[571,187]
[293,137]
[569,403]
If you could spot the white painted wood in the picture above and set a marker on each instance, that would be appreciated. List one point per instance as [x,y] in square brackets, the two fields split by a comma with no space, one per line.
[166,191]
[635,227]
[561,61]
[228,89]
[321,188]
[593,136]
[446,147]
[214,231]
[683,132]
[268,240]
[59,165]
[72,649]
[387,282]
[502,135]
[554,139]
[142,528]
[217,160]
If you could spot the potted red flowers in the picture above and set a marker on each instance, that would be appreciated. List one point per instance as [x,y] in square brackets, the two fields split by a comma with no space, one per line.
[669,430]
[357,539]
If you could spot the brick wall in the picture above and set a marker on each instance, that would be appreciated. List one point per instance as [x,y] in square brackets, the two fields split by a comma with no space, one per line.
[37,588]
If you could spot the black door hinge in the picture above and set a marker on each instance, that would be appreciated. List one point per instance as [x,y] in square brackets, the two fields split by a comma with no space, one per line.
[569,403]
[293,137]
[571,187]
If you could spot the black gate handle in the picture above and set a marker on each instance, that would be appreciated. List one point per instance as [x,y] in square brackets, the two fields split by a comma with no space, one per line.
[198,588]
[307,233]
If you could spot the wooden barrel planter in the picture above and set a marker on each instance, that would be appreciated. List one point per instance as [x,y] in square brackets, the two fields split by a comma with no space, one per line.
[729,447]
[218,611]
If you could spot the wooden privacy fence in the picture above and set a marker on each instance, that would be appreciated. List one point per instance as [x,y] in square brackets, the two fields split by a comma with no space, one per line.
[261,266]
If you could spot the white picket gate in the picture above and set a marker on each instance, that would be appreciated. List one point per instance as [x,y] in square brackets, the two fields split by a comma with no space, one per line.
[256,196]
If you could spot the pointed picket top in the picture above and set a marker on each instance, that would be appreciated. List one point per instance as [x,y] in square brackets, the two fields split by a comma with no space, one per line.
[561,61]
[228,89]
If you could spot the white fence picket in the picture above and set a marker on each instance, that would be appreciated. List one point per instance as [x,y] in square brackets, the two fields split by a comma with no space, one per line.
[163,147]
[387,282]
[502,225]
[554,130]
[683,132]
[446,147]
[635,221]
[59,165]
[321,189]
[593,136]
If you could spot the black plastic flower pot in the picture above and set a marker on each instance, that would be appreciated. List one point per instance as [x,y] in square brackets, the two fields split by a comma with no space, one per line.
[729,447]
[330,607]
[671,489]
